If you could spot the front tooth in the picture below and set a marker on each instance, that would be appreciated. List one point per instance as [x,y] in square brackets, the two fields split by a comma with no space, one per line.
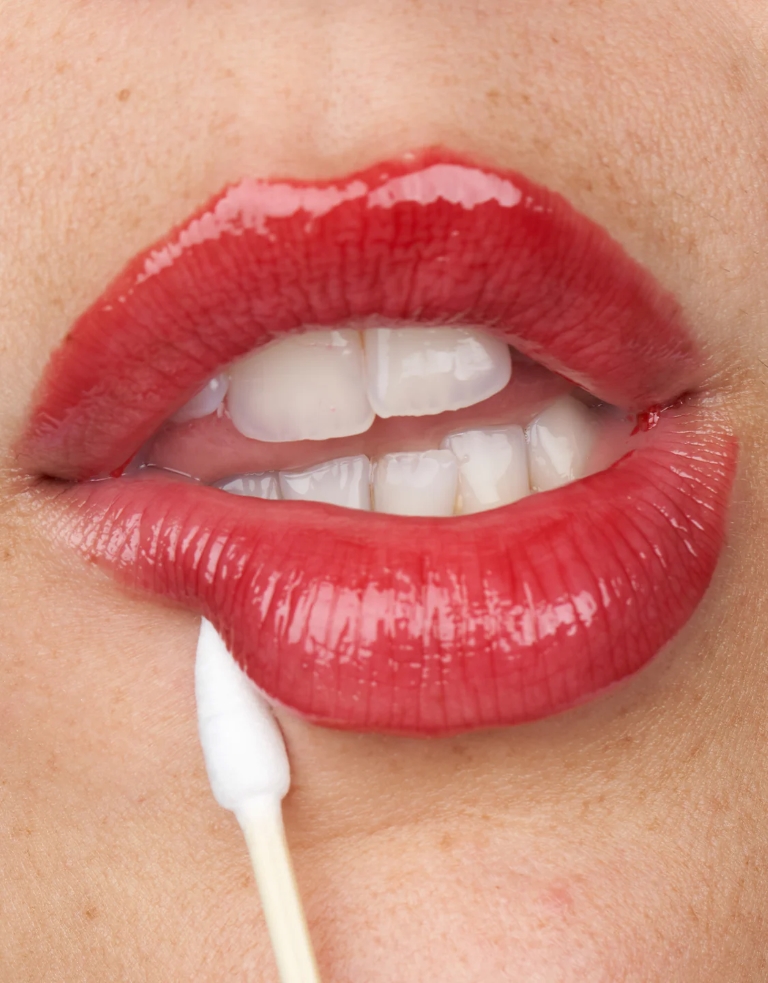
[560,443]
[420,483]
[422,371]
[204,402]
[307,387]
[262,485]
[493,467]
[345,481]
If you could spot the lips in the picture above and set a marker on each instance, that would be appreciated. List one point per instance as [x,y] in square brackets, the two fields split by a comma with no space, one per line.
[378,622]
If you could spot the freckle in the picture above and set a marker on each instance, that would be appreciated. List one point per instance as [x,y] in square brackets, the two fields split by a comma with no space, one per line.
[493,96]
[91,913]
[124,94]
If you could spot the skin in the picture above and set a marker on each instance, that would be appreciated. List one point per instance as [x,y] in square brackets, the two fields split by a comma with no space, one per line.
[622,841]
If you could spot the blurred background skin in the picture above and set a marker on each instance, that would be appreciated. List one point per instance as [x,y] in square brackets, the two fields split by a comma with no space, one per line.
[623,841]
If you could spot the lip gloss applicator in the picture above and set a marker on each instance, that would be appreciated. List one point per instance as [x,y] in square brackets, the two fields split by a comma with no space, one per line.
[248,769]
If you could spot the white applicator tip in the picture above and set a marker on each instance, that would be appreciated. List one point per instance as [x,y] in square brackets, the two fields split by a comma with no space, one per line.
[243,748]
[248,770]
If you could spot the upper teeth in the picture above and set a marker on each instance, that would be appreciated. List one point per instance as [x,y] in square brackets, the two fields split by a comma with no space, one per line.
[475,470]
[306,387]
[418,372]
[204,402]
[323,384]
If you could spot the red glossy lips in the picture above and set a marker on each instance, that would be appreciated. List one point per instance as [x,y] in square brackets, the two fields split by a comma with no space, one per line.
[372,621]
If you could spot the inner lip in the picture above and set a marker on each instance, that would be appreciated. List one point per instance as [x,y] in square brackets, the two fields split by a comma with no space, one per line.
[379,622]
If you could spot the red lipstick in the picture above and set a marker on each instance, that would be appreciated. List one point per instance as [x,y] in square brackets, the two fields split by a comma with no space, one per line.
[371,621]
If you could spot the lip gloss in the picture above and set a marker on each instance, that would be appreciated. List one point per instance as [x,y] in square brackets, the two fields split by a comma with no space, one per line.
[390,623]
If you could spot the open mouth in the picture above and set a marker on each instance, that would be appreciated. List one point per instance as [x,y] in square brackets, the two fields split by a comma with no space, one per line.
[402,420]
[424,444]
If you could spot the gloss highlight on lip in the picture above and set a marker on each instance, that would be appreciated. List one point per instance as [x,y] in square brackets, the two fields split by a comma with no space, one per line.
[397,624]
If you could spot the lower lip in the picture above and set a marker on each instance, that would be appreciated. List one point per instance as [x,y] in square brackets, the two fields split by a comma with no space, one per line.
[434,626]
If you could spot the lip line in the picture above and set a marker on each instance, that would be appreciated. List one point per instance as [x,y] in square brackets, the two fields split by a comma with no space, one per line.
[245,217]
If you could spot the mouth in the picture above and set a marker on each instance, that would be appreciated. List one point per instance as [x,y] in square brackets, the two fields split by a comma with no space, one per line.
[425,445]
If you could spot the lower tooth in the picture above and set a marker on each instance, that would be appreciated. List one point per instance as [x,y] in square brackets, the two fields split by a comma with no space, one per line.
[560,443]
[493,467]
[473,471]
[251,485]
[419,483]
[345,482]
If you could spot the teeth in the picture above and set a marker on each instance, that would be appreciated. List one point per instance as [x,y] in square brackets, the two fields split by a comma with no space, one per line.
[493,467]
[422,483]
[252,485]
[422,371]
[345,481]
[326,384]
[205,402]
[473,471]
[307,387]
[560,442]
[321,384]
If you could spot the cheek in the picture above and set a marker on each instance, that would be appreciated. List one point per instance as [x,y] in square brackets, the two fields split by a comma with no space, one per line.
[480,901]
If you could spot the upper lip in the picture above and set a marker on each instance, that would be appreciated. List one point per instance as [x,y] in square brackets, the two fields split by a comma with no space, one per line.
[373,621]
[263,258]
